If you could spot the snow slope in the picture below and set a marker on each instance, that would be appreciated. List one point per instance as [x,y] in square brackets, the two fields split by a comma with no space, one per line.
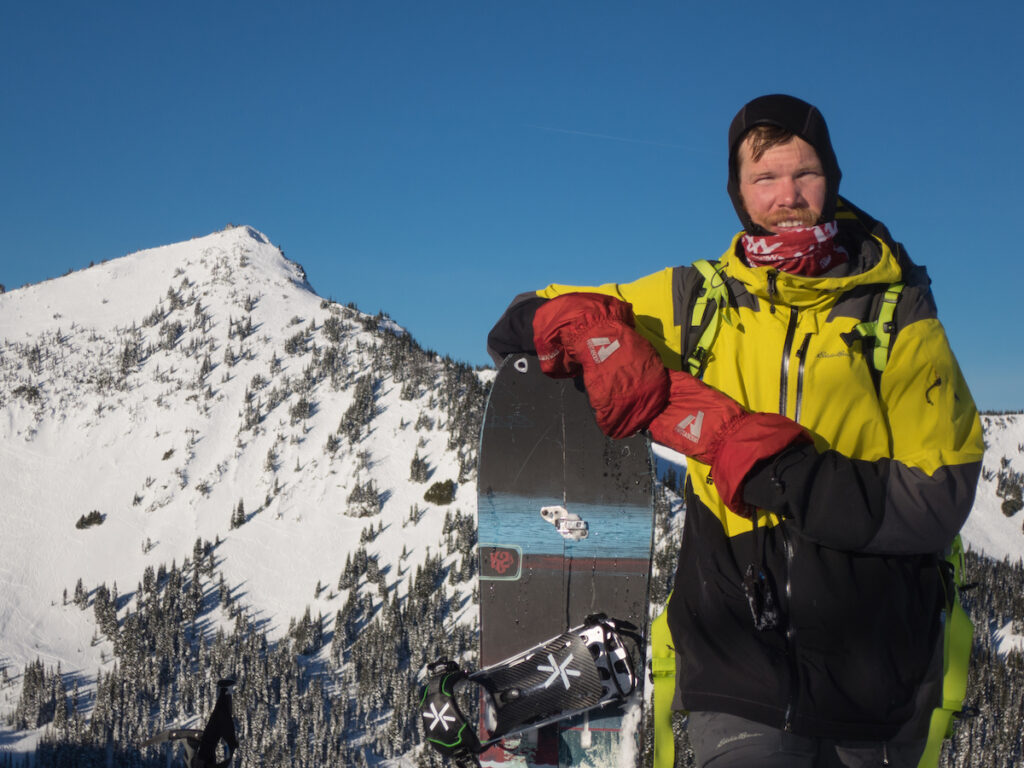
[988,530]
[163,453]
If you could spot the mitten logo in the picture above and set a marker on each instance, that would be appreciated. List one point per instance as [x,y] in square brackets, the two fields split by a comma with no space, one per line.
[601,348]
[690,426]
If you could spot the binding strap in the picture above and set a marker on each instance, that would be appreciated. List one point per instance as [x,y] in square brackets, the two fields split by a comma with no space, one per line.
[445,725]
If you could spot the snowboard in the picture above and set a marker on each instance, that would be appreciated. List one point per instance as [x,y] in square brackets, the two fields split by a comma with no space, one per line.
[565,526]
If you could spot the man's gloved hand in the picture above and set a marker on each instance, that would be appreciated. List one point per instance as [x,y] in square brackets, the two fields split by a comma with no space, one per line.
[714,429]
[593,334]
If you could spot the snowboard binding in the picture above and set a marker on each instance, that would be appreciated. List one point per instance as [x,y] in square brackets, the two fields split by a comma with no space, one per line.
[586,668]
[201,746]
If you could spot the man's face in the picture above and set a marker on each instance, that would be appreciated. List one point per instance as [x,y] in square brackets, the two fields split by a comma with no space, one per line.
[785,188]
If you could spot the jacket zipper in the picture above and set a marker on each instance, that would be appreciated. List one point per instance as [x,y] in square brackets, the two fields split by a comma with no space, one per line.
[786,351]
[794,666]
[801,355]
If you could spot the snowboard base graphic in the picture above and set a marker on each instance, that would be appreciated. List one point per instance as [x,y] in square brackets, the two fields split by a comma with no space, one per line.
[565,525]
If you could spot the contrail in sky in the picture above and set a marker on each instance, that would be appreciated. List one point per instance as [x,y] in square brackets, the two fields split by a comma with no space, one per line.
[606,136]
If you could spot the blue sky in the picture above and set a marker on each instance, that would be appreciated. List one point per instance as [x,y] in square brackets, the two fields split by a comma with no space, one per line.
[433,159]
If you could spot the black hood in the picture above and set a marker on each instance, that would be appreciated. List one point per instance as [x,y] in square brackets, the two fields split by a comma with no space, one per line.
[798,117]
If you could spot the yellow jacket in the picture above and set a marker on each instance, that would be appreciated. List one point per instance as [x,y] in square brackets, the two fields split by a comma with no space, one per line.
[848,530]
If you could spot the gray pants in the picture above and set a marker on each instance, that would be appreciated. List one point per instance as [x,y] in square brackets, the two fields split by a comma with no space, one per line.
[726,741]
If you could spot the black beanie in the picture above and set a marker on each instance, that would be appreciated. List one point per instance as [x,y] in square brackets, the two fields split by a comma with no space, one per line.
[798,117]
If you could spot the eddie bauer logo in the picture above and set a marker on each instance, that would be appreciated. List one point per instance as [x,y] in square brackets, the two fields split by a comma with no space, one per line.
[601,348]
[690,426]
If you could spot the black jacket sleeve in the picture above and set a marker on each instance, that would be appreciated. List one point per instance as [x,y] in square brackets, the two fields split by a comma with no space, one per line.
[881,507]
[514,330]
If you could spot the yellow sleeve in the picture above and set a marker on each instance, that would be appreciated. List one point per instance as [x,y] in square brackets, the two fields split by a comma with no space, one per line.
[653,308]
[932,417]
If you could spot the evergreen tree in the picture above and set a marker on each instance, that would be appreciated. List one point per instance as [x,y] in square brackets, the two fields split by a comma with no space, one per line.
[360,412]
[419,470]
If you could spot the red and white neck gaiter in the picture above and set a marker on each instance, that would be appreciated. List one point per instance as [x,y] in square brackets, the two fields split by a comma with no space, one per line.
[807,251]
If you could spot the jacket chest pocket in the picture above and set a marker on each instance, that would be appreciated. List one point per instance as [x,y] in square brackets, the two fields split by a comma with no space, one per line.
[836,396]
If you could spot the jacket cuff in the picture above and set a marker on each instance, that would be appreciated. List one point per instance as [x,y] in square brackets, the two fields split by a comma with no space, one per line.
[765,487]
[513,333]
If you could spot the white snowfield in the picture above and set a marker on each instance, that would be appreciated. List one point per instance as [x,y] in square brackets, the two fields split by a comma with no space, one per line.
[987,529]
[161,450]
[165,458]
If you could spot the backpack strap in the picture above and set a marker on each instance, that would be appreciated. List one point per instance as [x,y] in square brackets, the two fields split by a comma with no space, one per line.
[957,629]
[715,293]
[882,328]
[663,675]
[959,633]
[957,639]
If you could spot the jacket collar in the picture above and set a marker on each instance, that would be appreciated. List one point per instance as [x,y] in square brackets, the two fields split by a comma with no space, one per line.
[872,262]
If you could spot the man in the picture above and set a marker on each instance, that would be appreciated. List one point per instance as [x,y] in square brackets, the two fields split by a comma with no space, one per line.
[831,456]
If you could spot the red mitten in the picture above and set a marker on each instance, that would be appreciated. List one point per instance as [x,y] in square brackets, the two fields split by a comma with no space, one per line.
[593,334]
[711,427]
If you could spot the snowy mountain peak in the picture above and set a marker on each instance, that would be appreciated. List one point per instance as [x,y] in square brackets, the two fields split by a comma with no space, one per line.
[202,390]
[131,286]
